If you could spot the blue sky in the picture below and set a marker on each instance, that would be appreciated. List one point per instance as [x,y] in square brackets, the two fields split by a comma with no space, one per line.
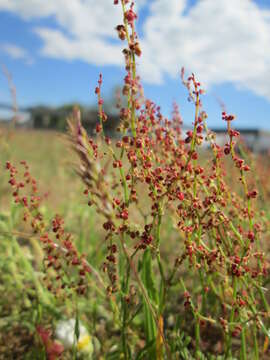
[56,49]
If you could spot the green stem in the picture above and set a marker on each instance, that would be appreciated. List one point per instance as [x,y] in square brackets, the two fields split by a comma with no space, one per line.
[229,335]
[256,349]
[243,344]
[197,323]
[197,336]
[162,290]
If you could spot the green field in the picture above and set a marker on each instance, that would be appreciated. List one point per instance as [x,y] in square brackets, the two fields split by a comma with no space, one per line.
[151,245]
[25,300]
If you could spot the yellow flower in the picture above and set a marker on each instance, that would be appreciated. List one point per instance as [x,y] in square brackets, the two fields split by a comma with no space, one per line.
[84,342]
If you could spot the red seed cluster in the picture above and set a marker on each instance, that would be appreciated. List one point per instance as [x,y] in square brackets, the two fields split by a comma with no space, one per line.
[156,177]
[60,254]
[227,117]
[154,160]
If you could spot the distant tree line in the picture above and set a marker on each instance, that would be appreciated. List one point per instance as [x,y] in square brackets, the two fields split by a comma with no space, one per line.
[44,117]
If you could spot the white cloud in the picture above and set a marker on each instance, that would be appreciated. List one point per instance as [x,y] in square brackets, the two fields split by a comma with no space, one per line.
[16,53]
[221,41]
[90,49]
[85,28]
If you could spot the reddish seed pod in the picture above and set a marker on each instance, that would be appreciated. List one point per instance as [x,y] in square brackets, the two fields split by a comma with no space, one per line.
[114,248]
[252,194]
[199,129]
[126,139]
[195,156]
[241,302]
[12,181]
[233,133]
[130,16]
[75,261]
[138,143]
[121,31]
[100,79]
[227,149]
[251,236]
[82,272]
[98,128]
[137,49]
[181,196]
[87,268]
[124,214]
[104,117]
[108,140]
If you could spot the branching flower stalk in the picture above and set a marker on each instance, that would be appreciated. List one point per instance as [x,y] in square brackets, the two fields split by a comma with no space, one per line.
[184,239]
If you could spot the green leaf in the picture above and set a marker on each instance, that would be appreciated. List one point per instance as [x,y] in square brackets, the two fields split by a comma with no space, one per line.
[149,322]
[77,326]
[148,277]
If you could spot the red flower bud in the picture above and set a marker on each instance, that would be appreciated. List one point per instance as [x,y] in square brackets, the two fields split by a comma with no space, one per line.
[181,196]
[124,214]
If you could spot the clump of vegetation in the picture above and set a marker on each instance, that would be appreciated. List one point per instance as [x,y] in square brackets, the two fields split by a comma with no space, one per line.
[179,268]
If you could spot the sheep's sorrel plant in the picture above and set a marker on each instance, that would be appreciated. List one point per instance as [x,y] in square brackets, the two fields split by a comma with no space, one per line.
[185,273]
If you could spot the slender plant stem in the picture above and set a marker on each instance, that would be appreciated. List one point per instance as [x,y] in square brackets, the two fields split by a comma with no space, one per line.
[243,344]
